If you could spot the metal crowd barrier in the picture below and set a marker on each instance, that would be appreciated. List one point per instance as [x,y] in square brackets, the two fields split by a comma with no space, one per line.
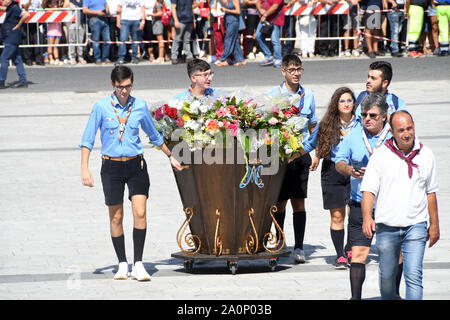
[42,17]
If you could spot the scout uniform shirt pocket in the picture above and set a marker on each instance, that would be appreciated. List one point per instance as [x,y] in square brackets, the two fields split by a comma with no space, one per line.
[110,130]
[133,130]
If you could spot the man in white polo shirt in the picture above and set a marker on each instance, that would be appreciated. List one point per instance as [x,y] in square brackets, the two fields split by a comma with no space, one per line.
[401,179]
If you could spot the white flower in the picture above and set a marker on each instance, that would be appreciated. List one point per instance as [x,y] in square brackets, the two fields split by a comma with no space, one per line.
[178,104]
[288,151]
[194,107]
[203,108]
[190,124]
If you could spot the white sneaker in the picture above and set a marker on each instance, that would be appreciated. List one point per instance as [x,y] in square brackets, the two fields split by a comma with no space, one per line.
[299,256]
[260,55]
[139,273]
[122,272]
[348,53]
[356,53]
[251,56]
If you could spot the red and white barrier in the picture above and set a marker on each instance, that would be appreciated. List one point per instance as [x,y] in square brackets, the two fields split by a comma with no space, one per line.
[318,9]
[47,16]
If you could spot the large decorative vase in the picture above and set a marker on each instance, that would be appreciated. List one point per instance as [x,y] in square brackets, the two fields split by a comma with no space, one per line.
[229,210]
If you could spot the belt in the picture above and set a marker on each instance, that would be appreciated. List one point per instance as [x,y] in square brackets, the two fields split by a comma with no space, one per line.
[121,159]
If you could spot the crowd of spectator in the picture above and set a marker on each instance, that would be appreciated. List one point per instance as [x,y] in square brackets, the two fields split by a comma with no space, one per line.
[230,32]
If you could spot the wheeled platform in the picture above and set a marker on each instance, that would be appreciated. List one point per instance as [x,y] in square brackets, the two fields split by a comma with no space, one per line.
[232,259]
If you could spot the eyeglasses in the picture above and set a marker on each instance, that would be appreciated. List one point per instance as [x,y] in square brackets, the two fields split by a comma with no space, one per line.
[294,70]
[204,75]
[127,87]
[344,101]
[371,115]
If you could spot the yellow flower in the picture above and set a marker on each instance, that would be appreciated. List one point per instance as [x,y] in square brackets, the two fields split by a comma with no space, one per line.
[294,143]
[186,117]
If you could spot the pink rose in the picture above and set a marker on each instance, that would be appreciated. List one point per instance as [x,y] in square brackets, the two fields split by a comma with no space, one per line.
[272,121]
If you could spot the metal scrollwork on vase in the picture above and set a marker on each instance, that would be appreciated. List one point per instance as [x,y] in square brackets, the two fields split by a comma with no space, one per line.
[272,238]
[217,240]
[252,242]
[190,239]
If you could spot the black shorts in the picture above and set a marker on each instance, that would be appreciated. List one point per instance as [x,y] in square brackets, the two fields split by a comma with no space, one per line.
[116,174]
[356,236]
[335,186]
[295,182]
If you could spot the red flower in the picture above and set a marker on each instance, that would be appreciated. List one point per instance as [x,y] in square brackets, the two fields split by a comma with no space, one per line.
[158,114]
[171,112]
[287,113]
[294,109]
[232,109]
[180,122]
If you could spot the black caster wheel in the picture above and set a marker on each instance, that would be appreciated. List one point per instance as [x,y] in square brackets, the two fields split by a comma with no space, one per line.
[232,266]
[273,264]
[188,265]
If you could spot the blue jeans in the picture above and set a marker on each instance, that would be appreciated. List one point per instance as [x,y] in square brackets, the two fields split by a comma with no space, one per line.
[127,27]
[99,27]
[289,26]
[410,241]
[231,41]
[276,43]
[396,19]
[12,52]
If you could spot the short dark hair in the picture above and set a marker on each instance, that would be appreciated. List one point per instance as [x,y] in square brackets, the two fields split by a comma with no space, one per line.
[398,112]
[375,99]
[120,73]
[197,65]
[384,67]
[291,59]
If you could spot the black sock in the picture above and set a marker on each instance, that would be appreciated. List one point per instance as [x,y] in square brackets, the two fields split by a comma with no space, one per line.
[398,278]
[357,276]
[119,247]
[279,217]
[138,240]
[299,228]
[337,236]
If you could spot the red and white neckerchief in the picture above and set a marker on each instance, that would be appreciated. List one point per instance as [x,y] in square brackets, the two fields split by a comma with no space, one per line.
[346,129]
[122,121]
[379,141]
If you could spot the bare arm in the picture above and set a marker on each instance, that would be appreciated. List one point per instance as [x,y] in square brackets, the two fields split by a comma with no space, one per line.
[176,22]
[174,162]
[86,176]
[23,18]
[368,226]
[433,230]
[347,170]
[236,10]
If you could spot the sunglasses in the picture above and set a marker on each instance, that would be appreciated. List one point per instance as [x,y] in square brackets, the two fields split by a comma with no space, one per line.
[344,101]
[371,115]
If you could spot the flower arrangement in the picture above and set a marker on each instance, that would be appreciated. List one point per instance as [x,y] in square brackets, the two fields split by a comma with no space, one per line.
[208,121]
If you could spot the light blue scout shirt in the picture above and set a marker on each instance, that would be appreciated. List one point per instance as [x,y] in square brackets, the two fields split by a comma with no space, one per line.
[395,103]
[306,105]
[353,148]
[311,142]
[187,95]
[104,117]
